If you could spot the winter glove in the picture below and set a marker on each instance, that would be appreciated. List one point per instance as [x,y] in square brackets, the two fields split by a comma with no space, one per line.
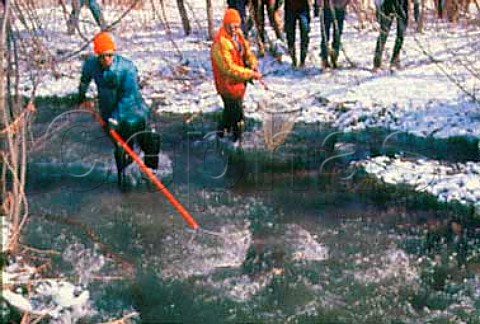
[256,75]
[113,124]
[87,105]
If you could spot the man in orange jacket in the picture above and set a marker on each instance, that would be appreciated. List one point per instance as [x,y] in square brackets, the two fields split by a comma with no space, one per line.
[233,65]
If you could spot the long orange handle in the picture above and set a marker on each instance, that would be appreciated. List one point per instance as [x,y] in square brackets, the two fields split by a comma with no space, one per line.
[175,203]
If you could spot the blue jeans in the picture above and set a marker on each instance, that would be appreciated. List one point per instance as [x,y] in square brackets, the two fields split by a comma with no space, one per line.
[331,17]
[385,25]
[303,16]
[94,8]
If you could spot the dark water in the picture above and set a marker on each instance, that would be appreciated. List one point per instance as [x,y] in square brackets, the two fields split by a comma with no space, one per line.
[296,235]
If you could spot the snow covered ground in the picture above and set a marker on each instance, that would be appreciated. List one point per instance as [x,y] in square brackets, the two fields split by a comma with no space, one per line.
[176,75]
[425,98]
[460,182]
[57,300]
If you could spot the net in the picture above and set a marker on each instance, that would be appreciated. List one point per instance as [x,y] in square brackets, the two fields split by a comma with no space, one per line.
[279,116]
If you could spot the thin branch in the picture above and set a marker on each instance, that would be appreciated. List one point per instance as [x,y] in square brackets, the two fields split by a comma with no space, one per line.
[123,319]
[442,69]
[41,251]
[128,266]
[14,126]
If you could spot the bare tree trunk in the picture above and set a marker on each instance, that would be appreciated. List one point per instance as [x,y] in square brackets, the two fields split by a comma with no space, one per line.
[421,19]
[13,123]
[10,152]
[183,14]
[3,103]
[210,19]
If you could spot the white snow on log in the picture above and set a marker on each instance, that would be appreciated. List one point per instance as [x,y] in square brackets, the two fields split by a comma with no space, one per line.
[5,232]
[17,301]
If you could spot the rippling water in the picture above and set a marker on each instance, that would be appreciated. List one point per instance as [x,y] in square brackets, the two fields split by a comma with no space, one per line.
[281,251]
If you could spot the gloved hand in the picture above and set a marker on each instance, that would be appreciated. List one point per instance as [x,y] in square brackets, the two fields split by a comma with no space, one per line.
[256,75]
[87,105]
[113,123]
[316,10]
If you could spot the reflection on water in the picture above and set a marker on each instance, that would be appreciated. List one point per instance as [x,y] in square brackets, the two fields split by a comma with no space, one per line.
[200,254]
[85,261]
[333,254]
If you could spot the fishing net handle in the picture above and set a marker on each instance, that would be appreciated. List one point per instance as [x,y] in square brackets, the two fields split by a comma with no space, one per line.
[89,106]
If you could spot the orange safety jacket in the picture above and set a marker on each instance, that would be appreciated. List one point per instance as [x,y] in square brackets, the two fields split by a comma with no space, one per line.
[232,66]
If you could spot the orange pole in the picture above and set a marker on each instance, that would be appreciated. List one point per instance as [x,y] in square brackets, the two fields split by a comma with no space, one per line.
[175,203]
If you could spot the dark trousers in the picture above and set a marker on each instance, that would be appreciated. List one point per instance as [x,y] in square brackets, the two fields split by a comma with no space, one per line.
[331,17]
[439,5]
[136,134]
[385,25]
[303,17]
[416,10]
[231,118]
[259,7]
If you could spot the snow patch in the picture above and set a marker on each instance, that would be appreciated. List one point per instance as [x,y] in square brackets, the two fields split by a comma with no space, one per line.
[459,182]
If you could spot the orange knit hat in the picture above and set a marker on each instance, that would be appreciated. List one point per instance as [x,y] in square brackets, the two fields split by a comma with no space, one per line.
[103,42]
[231,16]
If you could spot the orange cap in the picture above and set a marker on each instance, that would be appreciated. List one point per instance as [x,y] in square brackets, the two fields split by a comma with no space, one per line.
[231,16]
[103,42]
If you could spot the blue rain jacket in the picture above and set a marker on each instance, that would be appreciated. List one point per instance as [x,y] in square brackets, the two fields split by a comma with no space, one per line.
[118,93]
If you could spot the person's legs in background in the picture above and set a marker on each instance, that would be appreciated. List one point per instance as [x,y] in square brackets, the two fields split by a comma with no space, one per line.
[337,34]
[72,24]
[401,26]
[304,17]
[290,22]
[259,19]
[325,23]
[274,17]
[97,13]
[385,24]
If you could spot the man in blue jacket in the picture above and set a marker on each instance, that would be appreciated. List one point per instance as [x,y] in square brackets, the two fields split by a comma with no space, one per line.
[74,15]
[119,100]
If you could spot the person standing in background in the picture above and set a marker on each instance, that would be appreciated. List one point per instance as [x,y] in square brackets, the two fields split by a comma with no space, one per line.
[297,10]
[387,11]
[233,65]
[77,5]
[272,7]
[333,13]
